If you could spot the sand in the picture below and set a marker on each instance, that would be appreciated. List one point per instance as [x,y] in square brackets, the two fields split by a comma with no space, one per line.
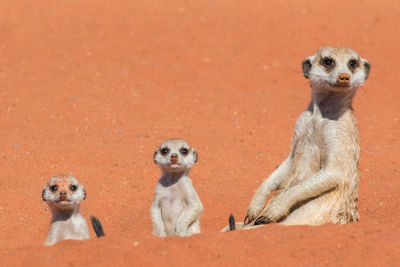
[93,87]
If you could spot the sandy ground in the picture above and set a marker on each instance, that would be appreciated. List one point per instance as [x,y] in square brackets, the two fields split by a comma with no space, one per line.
[92,87]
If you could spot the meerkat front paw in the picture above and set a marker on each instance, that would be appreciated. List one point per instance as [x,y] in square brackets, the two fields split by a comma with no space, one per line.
[252,214]
[254,209]
[275,210]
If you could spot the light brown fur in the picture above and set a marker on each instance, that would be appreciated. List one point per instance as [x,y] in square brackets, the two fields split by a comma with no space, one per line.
[63,193]
[318,183]
[176,207]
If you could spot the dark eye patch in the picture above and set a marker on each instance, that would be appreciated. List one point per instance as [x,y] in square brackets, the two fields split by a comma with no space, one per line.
[164,151]
[184,151]
[353,64]
[73,187]
[328,63]
[53,188]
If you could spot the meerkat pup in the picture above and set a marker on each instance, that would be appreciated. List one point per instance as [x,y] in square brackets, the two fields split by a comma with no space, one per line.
[176,207]
[64,194]
[318,182]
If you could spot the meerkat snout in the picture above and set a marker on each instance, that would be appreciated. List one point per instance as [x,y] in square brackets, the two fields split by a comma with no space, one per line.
[174,158]
[343,78]
[63,195]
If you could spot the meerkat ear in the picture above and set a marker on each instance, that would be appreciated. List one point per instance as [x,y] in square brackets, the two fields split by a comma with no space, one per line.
[307,67]
[154,156]
[196,156]
[43,193]
[84,194]
[367,67]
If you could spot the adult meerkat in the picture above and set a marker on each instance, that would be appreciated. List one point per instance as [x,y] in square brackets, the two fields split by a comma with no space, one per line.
[64,194]
[318,183]
[176,207]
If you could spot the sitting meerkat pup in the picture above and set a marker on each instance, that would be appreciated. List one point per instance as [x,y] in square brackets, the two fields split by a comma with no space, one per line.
[318,183]
[176,207]
[64,194]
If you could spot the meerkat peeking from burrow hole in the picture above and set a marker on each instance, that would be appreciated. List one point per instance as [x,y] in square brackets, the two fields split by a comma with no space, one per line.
[318,182]
[176,207]
[64,194]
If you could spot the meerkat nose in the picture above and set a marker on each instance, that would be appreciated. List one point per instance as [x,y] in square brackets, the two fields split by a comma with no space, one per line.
[174,158]
[343,78]
[63,194]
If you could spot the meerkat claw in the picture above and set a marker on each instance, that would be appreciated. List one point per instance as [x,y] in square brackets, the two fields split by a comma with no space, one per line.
[262,220]
[246,220]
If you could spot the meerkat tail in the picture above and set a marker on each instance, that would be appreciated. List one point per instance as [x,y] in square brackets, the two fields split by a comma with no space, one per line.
[232,224]
[97,227]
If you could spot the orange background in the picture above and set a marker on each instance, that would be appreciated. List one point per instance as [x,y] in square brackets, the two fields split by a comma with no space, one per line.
[93,87]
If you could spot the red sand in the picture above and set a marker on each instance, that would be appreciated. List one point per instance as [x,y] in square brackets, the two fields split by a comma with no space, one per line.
[93,87]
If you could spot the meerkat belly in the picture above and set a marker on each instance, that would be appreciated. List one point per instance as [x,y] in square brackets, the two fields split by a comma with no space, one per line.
[305,158]
[308,163]
[171,209]
[74,228]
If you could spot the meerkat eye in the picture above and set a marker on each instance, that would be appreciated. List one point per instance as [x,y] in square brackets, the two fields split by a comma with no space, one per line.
[184,151]
[164,151]
[327,61]
[53,188]
[73,187]
[353,64]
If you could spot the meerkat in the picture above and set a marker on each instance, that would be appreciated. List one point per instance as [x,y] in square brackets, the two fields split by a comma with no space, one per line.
[318,182]
[64,194]
[176,207]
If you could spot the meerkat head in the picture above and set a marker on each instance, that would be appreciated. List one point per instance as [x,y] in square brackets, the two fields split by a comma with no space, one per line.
[336,69]
[175,155]
[63,191]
